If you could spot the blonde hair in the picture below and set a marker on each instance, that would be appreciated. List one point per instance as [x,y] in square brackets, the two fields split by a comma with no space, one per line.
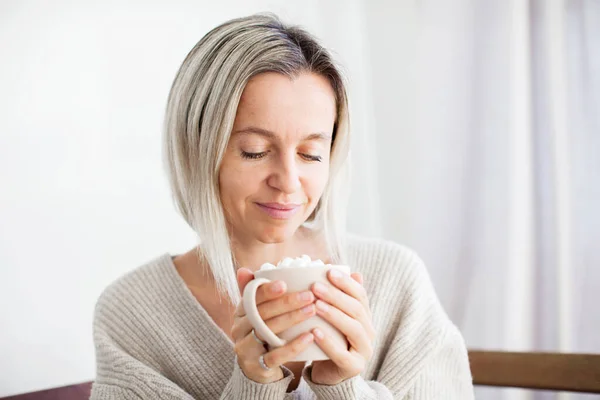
[200,113]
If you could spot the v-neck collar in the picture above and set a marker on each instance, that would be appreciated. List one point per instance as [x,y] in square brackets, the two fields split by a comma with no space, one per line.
[190,300]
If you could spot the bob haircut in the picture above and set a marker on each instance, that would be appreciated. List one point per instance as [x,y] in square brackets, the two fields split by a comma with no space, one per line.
[200,113]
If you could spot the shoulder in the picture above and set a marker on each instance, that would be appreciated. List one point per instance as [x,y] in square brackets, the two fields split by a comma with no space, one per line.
[131,295]
[395,277]
[375,246]
[131,317]
[380,257]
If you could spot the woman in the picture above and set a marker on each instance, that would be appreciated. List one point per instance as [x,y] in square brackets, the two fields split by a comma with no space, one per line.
[256,144]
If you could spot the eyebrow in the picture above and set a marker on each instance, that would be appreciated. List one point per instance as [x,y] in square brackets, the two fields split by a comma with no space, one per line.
[271,135]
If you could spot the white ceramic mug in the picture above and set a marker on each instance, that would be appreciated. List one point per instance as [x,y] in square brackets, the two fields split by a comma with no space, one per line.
[297,279]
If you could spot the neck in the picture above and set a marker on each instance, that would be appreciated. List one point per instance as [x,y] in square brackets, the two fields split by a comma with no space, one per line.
[253,254]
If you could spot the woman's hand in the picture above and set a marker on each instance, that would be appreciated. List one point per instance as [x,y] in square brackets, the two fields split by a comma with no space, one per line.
[345,305]
[280,311]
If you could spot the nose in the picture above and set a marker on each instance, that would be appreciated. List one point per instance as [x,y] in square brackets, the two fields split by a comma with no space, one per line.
[285,176]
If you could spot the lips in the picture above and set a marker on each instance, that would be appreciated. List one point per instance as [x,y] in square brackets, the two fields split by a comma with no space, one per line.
[279,210]
[280,206]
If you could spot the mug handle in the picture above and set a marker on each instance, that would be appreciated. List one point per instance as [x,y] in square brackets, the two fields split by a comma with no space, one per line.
[249,302]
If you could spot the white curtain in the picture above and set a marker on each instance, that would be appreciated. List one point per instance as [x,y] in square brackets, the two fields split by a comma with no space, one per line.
[492,173]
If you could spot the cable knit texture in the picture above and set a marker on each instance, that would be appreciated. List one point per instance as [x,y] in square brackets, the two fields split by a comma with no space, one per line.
[155,341]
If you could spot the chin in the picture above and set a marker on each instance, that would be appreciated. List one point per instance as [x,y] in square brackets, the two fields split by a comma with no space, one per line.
[275,234]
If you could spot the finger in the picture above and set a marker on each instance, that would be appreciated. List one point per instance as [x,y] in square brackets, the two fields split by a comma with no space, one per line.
[277,324]
[347,304]
[350,361]
[268,291]
[358,337]
[349,286]
[285,354]
[287,320]
[278,305]
[248,348]
[263,293]
[284,304]
[244,276]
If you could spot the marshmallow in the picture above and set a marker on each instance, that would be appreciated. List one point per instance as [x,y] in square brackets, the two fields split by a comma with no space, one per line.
[303,261]
[267,266]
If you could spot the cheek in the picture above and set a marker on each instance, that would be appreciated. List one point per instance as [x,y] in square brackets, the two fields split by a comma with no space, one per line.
[229,185]
[236,184]
[316,182]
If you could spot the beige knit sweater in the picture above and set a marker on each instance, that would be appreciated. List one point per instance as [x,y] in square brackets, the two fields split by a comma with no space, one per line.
[155,341]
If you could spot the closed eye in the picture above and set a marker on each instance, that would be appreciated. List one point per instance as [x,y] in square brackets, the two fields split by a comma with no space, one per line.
[310,157]
[253,156]
[257,156]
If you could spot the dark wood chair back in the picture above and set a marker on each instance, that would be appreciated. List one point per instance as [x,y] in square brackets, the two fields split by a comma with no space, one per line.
[80,391]
[540,371]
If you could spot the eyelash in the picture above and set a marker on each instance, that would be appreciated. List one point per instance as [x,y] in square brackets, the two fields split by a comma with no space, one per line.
[257,156]
[253,156]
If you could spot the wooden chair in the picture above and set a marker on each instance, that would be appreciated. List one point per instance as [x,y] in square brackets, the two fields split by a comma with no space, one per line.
[540,371]
[72,392]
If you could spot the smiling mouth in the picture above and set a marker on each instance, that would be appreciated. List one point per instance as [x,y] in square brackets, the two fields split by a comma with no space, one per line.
[278,210]
[280,206]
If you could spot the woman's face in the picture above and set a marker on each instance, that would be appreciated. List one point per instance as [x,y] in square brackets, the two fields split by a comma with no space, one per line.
[276,164]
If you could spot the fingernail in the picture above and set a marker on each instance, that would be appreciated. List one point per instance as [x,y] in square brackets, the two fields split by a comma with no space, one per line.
[307,338]
[306,296]
[335,274]
[318,333]
[322,306]
[277,287]
[308,309]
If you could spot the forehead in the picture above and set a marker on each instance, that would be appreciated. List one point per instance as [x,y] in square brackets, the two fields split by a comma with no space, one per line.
[283,105]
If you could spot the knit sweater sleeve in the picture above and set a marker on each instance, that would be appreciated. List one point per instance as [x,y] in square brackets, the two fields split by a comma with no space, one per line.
[124,378]
[241,387]
[427,357]
[124,371]
[120,374]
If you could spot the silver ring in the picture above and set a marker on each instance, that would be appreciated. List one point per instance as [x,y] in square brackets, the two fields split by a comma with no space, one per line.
[257,339]
[261,361]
